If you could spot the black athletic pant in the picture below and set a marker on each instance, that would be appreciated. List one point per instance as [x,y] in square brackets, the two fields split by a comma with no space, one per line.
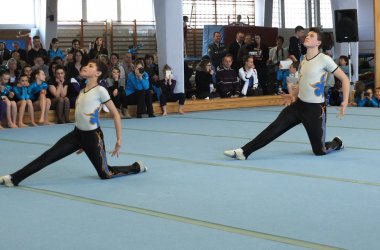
[313,118]
[92,144]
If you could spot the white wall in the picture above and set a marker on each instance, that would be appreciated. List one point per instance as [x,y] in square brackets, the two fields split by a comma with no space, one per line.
[169,35]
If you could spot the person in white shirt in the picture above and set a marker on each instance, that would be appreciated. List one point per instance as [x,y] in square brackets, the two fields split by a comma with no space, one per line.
[248,76]
[309,108]
[87,135]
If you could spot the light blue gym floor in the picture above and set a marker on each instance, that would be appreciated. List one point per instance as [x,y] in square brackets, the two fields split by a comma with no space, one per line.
[193,197]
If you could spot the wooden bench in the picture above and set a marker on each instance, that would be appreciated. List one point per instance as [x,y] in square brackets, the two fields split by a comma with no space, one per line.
[190,106]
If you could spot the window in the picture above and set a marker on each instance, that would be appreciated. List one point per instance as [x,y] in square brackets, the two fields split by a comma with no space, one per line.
[17,12]
[101,10]
[69,10]
[208,12]
[276,14]
[295,13]
[141,10]
[326,14]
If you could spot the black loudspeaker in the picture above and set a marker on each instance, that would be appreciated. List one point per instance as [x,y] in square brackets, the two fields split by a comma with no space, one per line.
[346,26]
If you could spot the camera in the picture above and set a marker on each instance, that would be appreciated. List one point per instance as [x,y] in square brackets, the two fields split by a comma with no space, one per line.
[366,94]
[141,70]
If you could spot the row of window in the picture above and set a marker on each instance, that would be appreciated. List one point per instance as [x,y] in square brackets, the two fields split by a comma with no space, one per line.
[200,12]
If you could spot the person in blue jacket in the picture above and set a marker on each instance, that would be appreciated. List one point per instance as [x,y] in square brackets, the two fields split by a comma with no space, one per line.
[23,95]
[137,90]
[38,91]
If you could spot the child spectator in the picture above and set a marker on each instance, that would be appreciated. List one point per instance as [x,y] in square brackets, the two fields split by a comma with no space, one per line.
[167,91]
[23,95]
[343,64]
[248,76]
[9,105]
[38,90]
[292,78]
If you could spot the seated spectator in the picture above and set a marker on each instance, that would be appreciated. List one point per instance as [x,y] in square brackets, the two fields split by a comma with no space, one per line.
[152,69]
[73,68]
[377,96]
[167,91]
[98,49]
[189,89]
[54,50]
[357,93]
[292,79]
[20,63]
[38,91]
[39,63]
[343,64]
[75,45]
[27,70]
[22,52]
[334,96]
[23,96]
[367,99]
[5,54]
[37,49]
[9,106]
[205,88]
[116,89]
[127,63]
[58,94]
[248,76]
[227,80]
[114,59]
[137,90]
[13,71]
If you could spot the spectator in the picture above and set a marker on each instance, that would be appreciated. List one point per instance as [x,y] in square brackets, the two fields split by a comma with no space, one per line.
[58,93]
[38,91]
[39,63]
[367,99]
[98,49]
[116,63]
[260,54]
[334,96]
[205,88]
[7,97]
[245,49]
[22,52]
[137,90]
[23,95]
[152,69]
[13,71]
[234,48]
[248,76]
[227,80]
[216,50]
[20,63]
[127,63]
[54,50]
[343,64]
[5,54]
[167,91]
[116,89]
[377,96]
[37,49]
[296,47]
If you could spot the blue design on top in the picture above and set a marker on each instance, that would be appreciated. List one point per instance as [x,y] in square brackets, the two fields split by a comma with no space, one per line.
[319,86]
[94,117]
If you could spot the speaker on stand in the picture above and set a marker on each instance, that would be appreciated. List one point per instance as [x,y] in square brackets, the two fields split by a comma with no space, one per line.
[346,30]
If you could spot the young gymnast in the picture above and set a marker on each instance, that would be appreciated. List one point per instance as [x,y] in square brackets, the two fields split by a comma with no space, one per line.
[87,135]
[309,108]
